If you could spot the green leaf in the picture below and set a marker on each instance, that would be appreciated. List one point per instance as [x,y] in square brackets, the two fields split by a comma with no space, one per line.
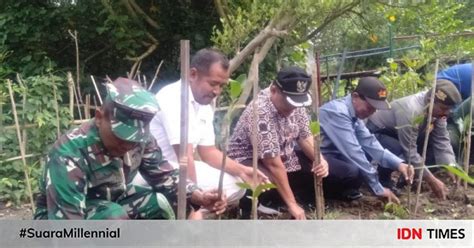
[459,172]
[235,89]
[314,127]
[244,185]
[262,187]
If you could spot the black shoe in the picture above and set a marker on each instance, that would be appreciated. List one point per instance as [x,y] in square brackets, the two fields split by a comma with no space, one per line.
[351,195]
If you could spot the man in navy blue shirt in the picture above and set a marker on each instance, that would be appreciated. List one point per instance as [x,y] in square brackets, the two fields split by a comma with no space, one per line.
[350,149]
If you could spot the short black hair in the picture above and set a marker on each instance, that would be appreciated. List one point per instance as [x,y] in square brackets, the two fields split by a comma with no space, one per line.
[204,58]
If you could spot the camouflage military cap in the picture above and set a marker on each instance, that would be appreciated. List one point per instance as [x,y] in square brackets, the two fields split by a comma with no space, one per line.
[134,107]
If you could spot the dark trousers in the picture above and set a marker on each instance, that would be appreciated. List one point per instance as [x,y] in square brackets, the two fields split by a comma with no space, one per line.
[301,183]
[342,176]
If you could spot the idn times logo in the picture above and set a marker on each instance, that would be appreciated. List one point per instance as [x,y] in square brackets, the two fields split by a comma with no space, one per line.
[405,233]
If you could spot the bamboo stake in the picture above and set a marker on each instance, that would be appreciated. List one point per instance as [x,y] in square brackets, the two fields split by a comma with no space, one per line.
[87,107]
[318,180]
[56,109]
[145,83]
[70,86]
[469,132]
[427,134]
[156,74]
[71,81]
[253,75]
[183,147]
[96,90]
[19,157]
[76,43]
[22,148]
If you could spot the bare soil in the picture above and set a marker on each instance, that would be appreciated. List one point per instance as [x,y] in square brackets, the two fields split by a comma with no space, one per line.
[459,205]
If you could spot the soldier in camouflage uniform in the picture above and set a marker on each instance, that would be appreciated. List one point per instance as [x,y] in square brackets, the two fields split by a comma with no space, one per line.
[89,170]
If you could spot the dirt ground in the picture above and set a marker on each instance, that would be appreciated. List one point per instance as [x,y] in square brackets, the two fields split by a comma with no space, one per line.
[459,205]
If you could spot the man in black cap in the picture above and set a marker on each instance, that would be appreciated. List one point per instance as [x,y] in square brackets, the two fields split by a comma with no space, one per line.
[282,122]
[397,130]
[350,148]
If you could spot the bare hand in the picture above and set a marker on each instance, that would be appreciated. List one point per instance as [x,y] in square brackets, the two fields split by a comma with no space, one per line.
[407,171]
[322,169]
[296,211]
[211,201]
[438,188]
[247,176]
[389,196]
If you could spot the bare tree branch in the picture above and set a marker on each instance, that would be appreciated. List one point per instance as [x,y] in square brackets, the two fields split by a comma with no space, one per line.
[142,13]
[330,18]
[268,32]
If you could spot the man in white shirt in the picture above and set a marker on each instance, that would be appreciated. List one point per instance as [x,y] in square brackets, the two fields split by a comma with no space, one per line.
[208,76]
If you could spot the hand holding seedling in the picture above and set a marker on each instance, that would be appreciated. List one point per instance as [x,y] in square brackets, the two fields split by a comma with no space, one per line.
[407,171]
[247,176]
[389,196]
[322,169]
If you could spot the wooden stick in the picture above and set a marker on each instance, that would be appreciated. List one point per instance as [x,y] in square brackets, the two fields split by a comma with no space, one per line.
[156,74]
[22,148]
[56,109]
[87,107]
[318,180]
[20,157]
[469,133]
[183,147]
[76,43]
[69,78]
[97,90]
[253,77]
[427,134]
[70,86]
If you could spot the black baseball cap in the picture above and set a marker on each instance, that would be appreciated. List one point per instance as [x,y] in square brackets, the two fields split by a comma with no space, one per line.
[374,92]
[294,82]
[447,93]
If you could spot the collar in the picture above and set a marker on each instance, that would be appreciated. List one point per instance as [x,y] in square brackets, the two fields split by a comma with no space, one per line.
[350,107]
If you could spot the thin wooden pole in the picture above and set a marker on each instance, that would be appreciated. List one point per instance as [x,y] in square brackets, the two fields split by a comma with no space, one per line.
[56,109]
[156,74]
[253,75]
[96,90]
[76,95]
[318,180]
[427,134]
[22,148]
[469,132]
[76,43]
[70,86]
[183,147]
[87,107]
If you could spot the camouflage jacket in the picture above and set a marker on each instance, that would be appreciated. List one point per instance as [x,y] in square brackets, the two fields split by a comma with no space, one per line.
[78,169]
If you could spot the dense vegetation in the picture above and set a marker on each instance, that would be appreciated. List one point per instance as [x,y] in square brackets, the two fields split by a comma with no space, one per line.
[37,49]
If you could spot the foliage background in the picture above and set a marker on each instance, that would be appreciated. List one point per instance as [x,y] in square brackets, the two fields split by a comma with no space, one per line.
[35,43]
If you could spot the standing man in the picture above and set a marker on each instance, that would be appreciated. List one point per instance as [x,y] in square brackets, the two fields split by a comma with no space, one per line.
[393,128]
[282,122]
[350,148]
[208,76]
[88,174]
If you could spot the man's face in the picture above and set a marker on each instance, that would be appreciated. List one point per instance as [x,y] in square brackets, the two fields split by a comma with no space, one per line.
[115,146]
[440,110]
[362,108]
[207,86]
[279,101]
